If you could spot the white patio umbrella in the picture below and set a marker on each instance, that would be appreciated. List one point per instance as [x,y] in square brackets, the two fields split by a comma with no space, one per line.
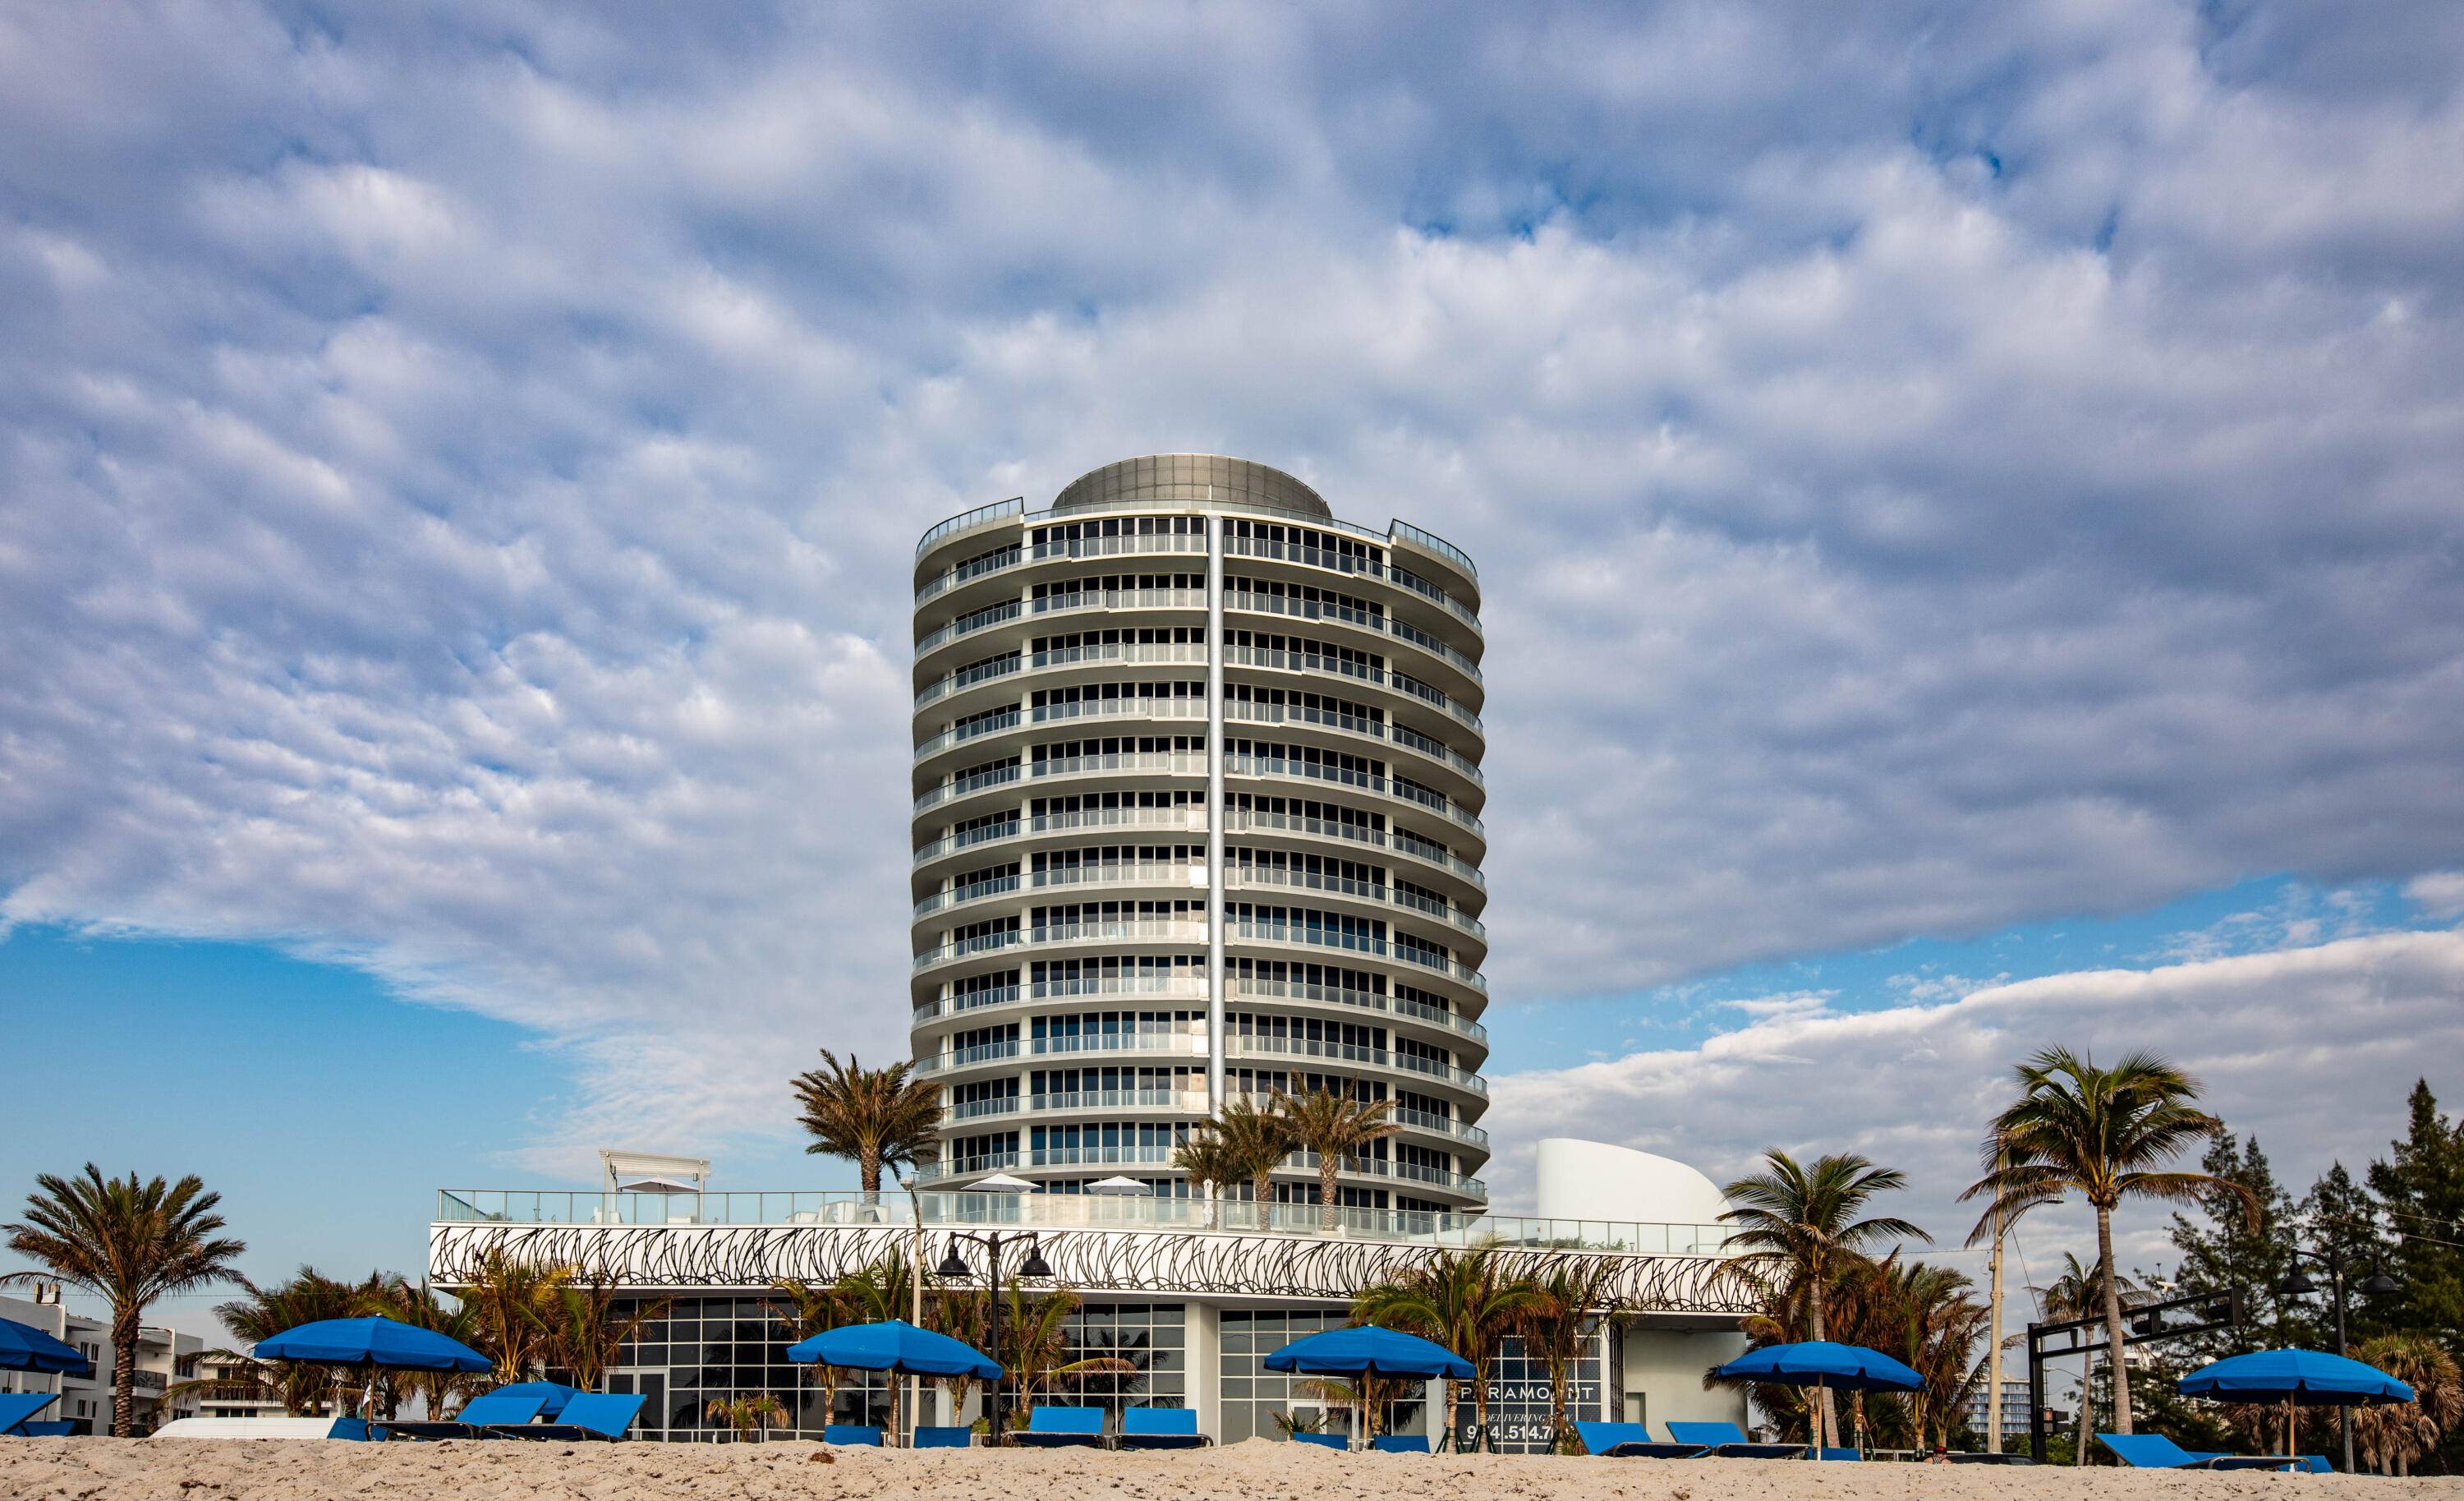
[1000,1183]
[1119,1186]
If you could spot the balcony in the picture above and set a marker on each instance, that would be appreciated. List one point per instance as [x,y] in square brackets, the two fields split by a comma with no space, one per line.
[1132,930]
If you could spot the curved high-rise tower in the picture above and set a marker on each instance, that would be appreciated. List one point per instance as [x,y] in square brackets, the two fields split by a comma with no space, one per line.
[1197,789]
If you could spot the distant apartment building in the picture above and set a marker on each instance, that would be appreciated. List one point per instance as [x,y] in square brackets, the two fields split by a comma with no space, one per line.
[2015,1410]
[164,1358]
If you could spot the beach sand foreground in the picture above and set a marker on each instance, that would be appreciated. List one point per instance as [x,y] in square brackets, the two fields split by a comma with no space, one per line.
[108,1470]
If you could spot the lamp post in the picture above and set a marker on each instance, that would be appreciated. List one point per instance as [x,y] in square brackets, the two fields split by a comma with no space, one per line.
[2298,1285]
[954,1267]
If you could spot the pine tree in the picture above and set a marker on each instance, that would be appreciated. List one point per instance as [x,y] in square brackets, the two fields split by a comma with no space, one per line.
[2421,1190]
[2221,1249]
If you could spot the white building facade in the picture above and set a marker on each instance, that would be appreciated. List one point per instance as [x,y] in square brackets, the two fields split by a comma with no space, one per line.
[164,1358]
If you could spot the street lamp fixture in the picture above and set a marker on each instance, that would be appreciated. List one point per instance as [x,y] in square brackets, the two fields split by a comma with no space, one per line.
[954,1266]
[2298,1285]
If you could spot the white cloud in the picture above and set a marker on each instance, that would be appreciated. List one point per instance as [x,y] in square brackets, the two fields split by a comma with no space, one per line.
[461,465]
[2309,1049]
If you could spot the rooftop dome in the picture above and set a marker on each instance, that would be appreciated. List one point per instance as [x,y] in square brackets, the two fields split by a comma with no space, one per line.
[1191,476]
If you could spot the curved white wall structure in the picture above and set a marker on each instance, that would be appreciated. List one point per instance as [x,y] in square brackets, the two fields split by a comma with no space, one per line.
[1594,1180]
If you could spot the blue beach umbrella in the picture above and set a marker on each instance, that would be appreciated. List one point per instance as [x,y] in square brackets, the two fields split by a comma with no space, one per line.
[895,1346]
[25,1348]
[2297,1378]
[371,1344]
[1821,1363]
[1369,1350]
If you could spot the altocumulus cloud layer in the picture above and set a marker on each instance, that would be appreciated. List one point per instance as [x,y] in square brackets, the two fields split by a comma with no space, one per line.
[460,462]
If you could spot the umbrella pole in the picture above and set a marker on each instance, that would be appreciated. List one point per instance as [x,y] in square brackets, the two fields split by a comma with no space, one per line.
[1819,1389]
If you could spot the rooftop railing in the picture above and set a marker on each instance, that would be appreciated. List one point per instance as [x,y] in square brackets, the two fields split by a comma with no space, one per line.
[1015,505]
[1070,1211]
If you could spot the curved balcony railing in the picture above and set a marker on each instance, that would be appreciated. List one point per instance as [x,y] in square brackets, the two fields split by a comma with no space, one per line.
[1184,763]
[1137,989]
[1438,546]
[1265,879]
[1355,943]
[1242,821]
[979,1110]
[1016,505]
[1254,1047]
[1365,999]
[970,676]
[1440,1125]
[1186,1045]
[1342,563]
[1084,601]
[1125,653]
[1191,819]
[985,619]
[973,568]
[1368,782]
[1408,1172]
[1352,724]
[1178,1101]
[1108,872]
[1250,602]
[1163,930]
[1277,660]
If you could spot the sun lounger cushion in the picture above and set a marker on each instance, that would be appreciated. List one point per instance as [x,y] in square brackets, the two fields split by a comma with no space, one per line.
[1160,1428]
[1831,1453]
[1727,1441]
[950,1437]
[862,1435]
[1630,1441]
[1048,1427]
[587,1415]
[1401,1443]
[1324,1441]
[2156,1451]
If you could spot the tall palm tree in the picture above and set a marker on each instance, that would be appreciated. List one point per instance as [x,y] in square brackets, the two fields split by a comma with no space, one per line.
[1254,1141]
[419,1304]
[514,1304]
[2395,1435]
[1796,1224]
[1035,1335]
[874,1118]
[126,1243]
[261,1313]
[1464,1300]
[1573,1301]
[2105,1135]
[1933,1323]
[1335,1124]
[876,1295]
[588,1322]
[803,1310]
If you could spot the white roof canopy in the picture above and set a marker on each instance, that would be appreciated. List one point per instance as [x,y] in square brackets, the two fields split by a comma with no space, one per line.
[652,1172]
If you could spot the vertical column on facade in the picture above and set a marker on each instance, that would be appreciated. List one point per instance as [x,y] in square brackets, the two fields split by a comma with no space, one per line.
[1214,813]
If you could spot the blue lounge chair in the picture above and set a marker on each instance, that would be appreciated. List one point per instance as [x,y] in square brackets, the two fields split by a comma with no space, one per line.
[860,1435]
[1061,1427]
[16,1407]
[1727,1441]
[2156,1451]
[954,1437]
[502,1408]
[1983,1457]
[1401,1443]
[1160,1429]
[1324,1440]
[1831,1453]
[1631,1440]
[586,1415]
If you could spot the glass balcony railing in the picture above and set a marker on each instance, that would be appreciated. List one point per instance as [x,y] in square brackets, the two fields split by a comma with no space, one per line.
[1235,1215]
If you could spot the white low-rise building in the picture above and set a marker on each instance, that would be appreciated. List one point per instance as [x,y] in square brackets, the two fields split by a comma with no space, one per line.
[164,1358]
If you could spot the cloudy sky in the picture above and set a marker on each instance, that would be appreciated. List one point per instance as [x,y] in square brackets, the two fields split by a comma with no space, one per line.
[1967,500]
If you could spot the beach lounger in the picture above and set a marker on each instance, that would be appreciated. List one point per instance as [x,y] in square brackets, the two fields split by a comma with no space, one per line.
[956,1436]
[1401,1443]
[1160,1429]
[1061,1427]
[1631,1440]
[503,1408]
[859,1435]
[585,1416]
[2156,1451]
[1849,1454]
[1324,1440]
[1980,1457]
[1727,1441]
[17,1408]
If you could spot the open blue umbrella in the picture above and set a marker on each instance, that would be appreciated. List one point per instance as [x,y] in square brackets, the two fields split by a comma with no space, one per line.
[895,1346]
[1820,1363]
[2297,1378]
[25,1348]
[374,1343]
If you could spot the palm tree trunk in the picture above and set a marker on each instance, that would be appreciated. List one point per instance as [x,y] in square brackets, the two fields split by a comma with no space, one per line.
[1993,1347]
[1263,1191]
[1826,1409]
[1325,1166]
[2114,1366]
[867,1166]
[1557,1406]
[124,1327]
[1479,1404]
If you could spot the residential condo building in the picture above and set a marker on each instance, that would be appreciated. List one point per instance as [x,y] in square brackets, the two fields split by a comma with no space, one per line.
[1196,817]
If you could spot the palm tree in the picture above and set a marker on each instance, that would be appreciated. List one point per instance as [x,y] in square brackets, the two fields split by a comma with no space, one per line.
[1254,1142]
[964,1315]
[1796,1224]
[875,1117]
[1993,1226]
[1932,1323]
[263,1313]
[1573,1301]
[2104,1134]
[2076,1293]
[2393,1436]
[1335,1125]
[747,1413]
[1465,1301]
[1035,1335]
[803,1310]
[588,1323]
[514,1304]
[878,1293]
[418,1305]
[126,1243]
[1210,1164]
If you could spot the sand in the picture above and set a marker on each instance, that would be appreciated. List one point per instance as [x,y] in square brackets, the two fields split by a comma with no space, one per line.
[109,1469]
